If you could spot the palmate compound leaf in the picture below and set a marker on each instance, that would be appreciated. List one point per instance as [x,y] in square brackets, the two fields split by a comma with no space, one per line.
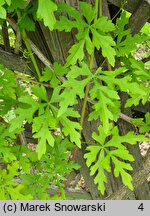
[107,106]
[129,44]
[99,156]
[41,128]
[98,29]
[136,91]
[136,82]
[126,43]
[74,87]
[45,11]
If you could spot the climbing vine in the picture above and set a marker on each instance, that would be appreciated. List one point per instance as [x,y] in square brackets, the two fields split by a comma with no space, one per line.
[56,124]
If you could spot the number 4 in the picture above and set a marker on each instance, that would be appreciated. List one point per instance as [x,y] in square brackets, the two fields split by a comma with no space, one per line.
[141,207]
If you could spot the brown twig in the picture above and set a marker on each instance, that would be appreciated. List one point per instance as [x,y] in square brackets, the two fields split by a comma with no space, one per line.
[6,37]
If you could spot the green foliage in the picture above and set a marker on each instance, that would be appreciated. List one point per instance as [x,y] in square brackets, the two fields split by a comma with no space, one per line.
[16,5]
[126,43]
[145,127]
[45,11]
[71,87]
[26,23]
[2,10]
[58,104]
[10,189]
[99,156]
[8,89]
[99,29]
[50,170]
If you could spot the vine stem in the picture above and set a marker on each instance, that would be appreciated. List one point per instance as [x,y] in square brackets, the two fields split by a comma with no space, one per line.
[24,37]
[91,64]
[101,8]
[86,93]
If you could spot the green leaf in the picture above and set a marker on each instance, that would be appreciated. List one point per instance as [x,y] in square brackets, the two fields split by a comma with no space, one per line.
[71,128]
[45,11]
[71,12]
[98,156]
[123,154]
[87,11]
[119,169]
[8,2]
[136,91]
[49,75]
[106,43]
[26,23]
[16,193]
[60,70]
[146,127]
[2,12]
[103,24]
[8,83]
[75,53]
[91,157]
[126,43]
[100,177]
[103,134]
[76,71]
[130,137]
[41,129]
[40,92]
[65,24]
[41,147]
[121,23]
[5,151]
[139,69]
[15,4]
[71,87]
[25,112]
[107,100]
[89,45]
[46,75]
